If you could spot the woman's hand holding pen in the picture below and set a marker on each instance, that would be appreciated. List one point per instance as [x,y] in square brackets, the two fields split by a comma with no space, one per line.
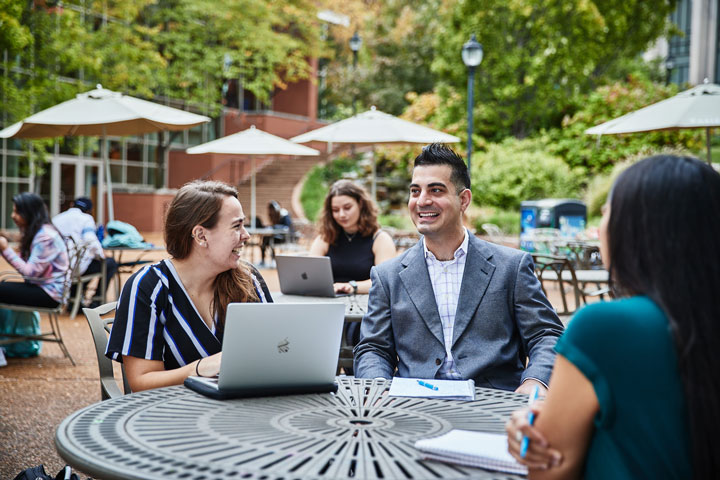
[539,454]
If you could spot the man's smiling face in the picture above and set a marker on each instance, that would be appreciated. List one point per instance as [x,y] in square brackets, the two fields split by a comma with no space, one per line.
[435,207]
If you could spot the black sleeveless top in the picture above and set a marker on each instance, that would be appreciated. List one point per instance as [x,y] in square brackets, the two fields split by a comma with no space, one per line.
[352,259]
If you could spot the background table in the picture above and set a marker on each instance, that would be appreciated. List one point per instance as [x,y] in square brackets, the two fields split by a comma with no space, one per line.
[128,267]
[359,432]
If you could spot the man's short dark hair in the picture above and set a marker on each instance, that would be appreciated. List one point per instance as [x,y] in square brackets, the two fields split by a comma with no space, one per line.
[441,154]
[84,204]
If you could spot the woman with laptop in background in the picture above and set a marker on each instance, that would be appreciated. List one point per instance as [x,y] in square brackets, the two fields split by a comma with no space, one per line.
[351,236]
[170,316]
[631,393]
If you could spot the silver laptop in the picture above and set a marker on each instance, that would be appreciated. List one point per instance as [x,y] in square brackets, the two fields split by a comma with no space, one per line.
[275,349]
[300,275]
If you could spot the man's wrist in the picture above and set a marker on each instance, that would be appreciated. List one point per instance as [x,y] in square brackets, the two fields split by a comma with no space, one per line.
[354,285]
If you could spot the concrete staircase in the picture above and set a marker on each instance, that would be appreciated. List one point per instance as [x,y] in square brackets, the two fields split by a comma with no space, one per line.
[276,181]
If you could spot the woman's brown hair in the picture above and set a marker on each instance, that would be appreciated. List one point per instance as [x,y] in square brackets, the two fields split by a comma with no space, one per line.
[199,203]
[367,222]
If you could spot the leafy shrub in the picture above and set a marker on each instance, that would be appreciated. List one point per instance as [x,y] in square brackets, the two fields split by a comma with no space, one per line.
[599,187]
[313,193]
[517,170]
[319,180]
[398,221]
[508,221]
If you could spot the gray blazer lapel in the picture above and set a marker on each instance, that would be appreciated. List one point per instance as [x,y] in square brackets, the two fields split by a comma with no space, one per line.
[476,278]
[416,279]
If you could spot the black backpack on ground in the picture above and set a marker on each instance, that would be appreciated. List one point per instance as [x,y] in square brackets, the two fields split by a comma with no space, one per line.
[38,473]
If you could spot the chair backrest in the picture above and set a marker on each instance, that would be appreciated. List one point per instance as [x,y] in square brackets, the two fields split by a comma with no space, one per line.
[552,268]
[100,329]
[75,254]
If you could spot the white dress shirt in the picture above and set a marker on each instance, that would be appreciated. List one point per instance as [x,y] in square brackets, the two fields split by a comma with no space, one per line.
[446,278]
[80,227]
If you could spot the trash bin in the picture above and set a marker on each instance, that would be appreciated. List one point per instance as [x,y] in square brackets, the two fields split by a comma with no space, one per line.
[564,214]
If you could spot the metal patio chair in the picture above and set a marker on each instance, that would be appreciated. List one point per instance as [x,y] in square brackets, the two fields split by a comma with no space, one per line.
[555,268]
[100,328]
[75,252]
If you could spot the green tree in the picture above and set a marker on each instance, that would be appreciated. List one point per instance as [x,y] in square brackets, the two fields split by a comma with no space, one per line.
[598,154]
[539,56]
[181,49]
[395,57]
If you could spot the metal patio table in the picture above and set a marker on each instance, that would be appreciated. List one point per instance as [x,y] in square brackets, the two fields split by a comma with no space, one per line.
[359,432]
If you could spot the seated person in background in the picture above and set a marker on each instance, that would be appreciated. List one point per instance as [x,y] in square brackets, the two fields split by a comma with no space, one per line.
[170,316]
[43,256]
[631,394]
[351,236]
[454,306]
[77,223]
[280,219]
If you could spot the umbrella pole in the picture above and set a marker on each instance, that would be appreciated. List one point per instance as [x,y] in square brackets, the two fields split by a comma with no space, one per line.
[252,191]
[374,176]
[108,177]
[707,140]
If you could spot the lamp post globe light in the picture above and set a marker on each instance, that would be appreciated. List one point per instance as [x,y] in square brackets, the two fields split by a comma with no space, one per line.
[355,44]
[472,55]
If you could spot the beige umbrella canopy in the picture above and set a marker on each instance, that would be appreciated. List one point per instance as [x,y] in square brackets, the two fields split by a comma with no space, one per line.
[375,127]
[698,107]
[103,112]
[253,142]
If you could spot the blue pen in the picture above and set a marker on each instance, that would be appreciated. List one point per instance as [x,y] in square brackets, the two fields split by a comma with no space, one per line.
[425,384]
[531,419]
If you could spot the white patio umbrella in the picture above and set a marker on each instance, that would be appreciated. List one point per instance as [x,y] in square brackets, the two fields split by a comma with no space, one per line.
[375,127]
[252,142]
[103,112]
[698,107]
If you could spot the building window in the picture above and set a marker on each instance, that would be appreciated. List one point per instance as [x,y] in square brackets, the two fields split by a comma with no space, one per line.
[679,46]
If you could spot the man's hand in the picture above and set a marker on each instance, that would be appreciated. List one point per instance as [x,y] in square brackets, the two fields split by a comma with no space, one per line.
[527,387]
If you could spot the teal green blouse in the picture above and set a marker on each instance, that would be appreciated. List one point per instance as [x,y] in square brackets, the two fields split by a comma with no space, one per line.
[625,348]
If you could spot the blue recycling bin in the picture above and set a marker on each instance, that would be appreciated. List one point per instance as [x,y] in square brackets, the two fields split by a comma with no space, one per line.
[568,215]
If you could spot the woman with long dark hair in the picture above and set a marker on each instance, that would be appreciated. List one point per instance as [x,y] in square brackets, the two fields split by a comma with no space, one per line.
[632,394]
[43,258]
[351,236]
[170,316]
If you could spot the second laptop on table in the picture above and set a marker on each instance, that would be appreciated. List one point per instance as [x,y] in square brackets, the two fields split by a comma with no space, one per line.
[302,275]
[276,349]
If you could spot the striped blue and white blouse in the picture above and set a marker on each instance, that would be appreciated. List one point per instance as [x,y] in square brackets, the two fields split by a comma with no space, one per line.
[157,320]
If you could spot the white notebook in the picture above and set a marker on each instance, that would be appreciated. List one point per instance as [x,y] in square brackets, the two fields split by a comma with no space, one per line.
[432,388]
[473,449]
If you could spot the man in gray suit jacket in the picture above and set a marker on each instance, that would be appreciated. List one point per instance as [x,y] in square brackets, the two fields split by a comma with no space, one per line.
[454,306]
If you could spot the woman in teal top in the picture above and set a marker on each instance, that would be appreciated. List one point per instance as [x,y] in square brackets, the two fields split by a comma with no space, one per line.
[632,393]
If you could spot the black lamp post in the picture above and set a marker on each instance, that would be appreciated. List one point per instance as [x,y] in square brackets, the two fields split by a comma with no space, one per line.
[355,44]
[669,66]
[472,55]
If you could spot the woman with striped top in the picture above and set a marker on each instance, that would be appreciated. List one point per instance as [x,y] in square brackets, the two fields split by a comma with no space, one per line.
[170,316]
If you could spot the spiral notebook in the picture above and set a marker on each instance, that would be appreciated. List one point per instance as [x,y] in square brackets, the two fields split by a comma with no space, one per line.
[472,449]
[432,388]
